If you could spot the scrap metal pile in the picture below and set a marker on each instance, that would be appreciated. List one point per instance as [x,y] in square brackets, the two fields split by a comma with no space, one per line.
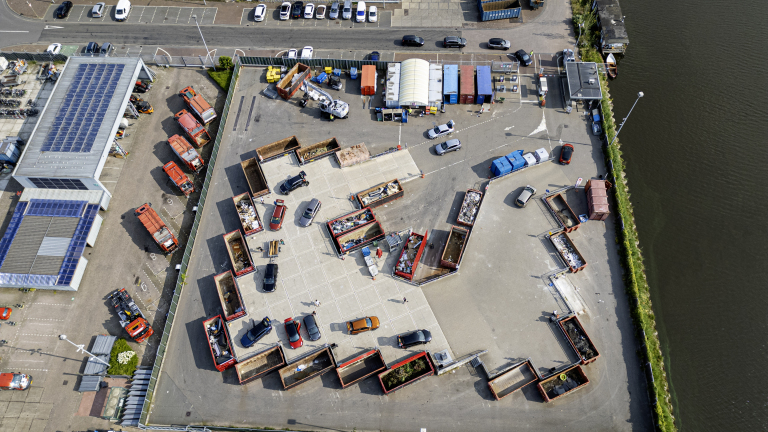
[381,193]
[218,340]
[582,343]
[352,243]
[405,264]
[568,253]
[339,226]
[248,215]
[469,207]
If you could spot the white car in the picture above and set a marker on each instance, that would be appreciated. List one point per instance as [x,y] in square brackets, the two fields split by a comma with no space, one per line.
[98,10]
[306,53]
[309,11]
[285,11]
[292,53]
[443,129]
[373,15]
[53,49]
[320,14]
[260,12]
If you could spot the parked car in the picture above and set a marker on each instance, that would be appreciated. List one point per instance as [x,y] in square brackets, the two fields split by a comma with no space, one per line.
[412,40]
[107,49]
[259,12]
[309,11]
[448,146]
[310,212]
[373,15]
[525,196]
[258,331]
[498,43]
[278,214]
[362,325]
[568,55]
[285,11]
[98,10]
[294,183]
[292,53]
[454,42]
[320,14]
[15,381]
[310,325]
[92,48]
[360,13]
[63,10]
[293,331]
[346,13]
[122,10]
[419,337]
[53,48]
[443,129]
[270,277]
[333,13]
[298,8]
[5,313]
[523,57]
[566,153]
[306,52]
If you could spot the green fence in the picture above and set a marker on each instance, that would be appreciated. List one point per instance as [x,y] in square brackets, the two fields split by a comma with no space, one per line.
[188,252]
[317,62]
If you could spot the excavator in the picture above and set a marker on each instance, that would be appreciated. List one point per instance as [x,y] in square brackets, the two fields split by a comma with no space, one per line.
[329,108]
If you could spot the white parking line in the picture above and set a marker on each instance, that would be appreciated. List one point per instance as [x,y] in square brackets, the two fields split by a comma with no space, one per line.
[153,15]
[178,12]
[142,13]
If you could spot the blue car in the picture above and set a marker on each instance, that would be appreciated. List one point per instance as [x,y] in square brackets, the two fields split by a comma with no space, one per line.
[263,328]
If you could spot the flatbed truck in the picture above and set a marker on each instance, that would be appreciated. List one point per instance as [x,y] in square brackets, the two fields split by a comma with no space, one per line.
[198,105]
[131,317]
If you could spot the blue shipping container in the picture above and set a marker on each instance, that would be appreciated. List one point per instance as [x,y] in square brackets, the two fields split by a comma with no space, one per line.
[500,167]
[451,84]
[484,84]
[515,159]
[498,9]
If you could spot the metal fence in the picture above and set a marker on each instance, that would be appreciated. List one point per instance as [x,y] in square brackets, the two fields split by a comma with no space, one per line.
[317,62]
[38,57]
[180,282]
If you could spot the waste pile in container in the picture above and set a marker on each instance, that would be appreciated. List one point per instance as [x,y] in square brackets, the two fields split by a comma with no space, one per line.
[248,215]
[469,207]
[339,226]
[381,193]
[570,255]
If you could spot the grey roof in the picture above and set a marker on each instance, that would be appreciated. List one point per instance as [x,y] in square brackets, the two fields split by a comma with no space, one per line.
[103,344]
[611,22]
[87,164]
[583,82]
[90,383]
[102,348]
[90,196]
[40,245]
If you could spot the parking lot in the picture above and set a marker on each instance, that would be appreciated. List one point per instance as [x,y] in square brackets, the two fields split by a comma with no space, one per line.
[273,19]
[499,301]
[138,15]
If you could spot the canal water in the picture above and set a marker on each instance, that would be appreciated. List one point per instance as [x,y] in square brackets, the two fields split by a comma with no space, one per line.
[697,164]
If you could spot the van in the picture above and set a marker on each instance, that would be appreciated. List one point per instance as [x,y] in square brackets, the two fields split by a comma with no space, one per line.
[360,15]
[346,13]
[122,10]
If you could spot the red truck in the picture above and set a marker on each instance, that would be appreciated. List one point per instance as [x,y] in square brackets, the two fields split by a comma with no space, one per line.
[194,130]
[218,343]
[186,153]
[131,317]
[178,177]
[160,232]
[198,105]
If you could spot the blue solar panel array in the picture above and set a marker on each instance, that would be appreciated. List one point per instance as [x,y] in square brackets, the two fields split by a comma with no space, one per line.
[10,233]
[76,247]
[58,208]
[79,117]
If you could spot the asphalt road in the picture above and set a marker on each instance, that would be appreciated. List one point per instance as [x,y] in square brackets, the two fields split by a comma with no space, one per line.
[15,30]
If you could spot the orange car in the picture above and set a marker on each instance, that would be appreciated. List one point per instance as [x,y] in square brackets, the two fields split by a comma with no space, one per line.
[5,313]
[362,325]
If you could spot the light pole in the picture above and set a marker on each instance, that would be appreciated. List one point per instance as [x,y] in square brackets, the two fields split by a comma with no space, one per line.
[207,53]
[639,95]
[82,348]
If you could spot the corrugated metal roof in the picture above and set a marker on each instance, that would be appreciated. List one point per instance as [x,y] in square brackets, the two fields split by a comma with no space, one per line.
[451,79]
[484,85]
[95,367]
[35,163]
[63,227]
[90,196]
[26,243]
[47,265]
[435,84]
[414,82]
[103,345]
[54,246]
[90,383]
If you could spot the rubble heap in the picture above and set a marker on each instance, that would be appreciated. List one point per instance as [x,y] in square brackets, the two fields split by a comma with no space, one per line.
[469,207]
[248,216]
[565,249]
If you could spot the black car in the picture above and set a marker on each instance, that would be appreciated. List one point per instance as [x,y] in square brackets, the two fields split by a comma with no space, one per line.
[298,9]
[454,42]
[263,328]
[523,57]
[411,40]
[419,337]
[270,277]
[294,183]
[63,10]
[498,43]
[92,48]
[310,325]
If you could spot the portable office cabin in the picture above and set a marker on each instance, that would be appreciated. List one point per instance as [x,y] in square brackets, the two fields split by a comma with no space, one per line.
[484,84]
[435,85]
[392,91]
[467,93]
[450,84]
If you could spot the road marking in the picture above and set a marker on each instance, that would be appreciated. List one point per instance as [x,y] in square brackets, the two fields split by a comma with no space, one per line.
[43,370]
[44,319]
[35,334]
[22,31]
[215,11]
[51,304]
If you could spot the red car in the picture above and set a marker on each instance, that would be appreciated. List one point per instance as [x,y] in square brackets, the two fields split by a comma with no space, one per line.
[292,328]
[566,153]
[277,216]
[5,313]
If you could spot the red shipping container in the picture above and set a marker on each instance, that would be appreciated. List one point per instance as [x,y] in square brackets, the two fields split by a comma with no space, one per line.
[467,87]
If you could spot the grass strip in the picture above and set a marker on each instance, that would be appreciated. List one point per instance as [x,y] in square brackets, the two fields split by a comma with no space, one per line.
[635,280]
[222,78]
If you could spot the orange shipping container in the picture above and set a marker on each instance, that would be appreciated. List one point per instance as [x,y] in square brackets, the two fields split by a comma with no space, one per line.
[368,80]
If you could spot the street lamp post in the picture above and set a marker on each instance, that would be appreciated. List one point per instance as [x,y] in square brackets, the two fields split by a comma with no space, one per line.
[639,95]
[82,348]
[207,53]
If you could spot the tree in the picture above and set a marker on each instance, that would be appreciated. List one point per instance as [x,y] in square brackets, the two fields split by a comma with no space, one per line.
[225,62]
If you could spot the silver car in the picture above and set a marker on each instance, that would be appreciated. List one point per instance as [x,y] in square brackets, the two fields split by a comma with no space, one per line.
[444,129]
[98,10]
[334,12]
[310,212]
[448,146]
[525,196]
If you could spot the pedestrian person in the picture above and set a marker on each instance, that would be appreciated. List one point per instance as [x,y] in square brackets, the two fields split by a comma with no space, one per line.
[531,53]
[317,303]
[314,313]
[262,200]
[404,300]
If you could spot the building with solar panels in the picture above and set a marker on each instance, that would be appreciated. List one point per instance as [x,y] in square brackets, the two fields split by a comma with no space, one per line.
[76,130]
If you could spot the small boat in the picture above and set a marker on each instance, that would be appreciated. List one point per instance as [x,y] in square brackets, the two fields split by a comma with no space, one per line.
[611,67]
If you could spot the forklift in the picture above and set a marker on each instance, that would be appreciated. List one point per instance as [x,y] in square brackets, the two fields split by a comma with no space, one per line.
[141,105]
